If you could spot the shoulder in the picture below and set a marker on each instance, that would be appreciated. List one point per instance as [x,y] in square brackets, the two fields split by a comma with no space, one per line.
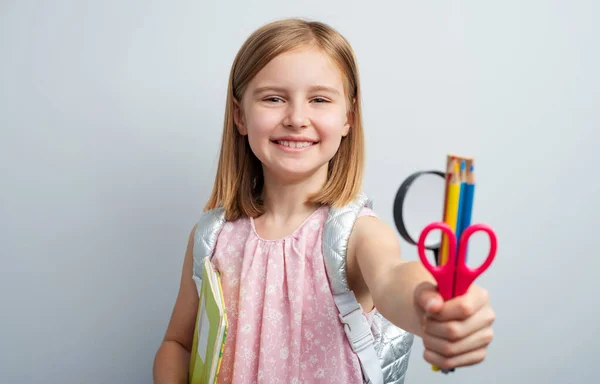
[370,232]
[211,217]
[206,228]
[189,253]
[210,224]
[213,229]
[373,251]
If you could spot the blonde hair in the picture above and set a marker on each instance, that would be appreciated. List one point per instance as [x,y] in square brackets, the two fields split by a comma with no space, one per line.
[239,179]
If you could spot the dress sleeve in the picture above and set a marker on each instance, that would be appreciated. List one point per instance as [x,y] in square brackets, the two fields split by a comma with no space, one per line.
[367,212]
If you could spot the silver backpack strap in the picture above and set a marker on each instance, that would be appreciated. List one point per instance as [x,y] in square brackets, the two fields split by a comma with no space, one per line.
[205,238]
[337,230]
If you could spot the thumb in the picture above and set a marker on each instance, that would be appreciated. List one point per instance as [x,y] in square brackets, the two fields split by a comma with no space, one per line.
[427,298]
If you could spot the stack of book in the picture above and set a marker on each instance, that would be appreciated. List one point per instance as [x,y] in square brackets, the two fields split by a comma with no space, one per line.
[210,331]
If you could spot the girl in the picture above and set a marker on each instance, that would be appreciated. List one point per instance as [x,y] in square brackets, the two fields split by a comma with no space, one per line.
[292,147]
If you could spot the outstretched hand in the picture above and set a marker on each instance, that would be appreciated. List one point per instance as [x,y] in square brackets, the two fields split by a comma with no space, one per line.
[457,332]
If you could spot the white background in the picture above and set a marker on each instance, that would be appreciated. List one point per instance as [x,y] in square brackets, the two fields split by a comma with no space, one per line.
[110,120]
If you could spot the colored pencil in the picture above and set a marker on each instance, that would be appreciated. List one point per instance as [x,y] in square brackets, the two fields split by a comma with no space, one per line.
[461,201]
[452,207]
[449,170]
[458,207]
[468,200]
[451,213]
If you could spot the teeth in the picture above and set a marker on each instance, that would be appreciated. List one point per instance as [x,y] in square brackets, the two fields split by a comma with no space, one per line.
[294,144]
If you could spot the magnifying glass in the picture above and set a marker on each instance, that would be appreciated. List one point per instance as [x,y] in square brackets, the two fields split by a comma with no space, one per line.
[428,189]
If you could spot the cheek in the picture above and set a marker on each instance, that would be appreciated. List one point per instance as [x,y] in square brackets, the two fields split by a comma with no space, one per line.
[332,124]
[260,123]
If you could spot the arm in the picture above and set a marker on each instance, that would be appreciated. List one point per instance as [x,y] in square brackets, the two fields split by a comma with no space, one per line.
[391,281]
[455,333]
[172,358]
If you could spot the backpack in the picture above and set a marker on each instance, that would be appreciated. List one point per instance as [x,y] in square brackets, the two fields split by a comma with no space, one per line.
[383,349]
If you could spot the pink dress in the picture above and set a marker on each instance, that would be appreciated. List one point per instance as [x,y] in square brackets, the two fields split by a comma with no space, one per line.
[283,322]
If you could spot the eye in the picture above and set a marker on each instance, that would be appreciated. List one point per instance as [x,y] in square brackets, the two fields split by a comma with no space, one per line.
[273,99]
[320,100]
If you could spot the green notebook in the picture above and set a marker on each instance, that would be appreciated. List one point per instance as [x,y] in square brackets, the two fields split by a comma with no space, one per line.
[210,330]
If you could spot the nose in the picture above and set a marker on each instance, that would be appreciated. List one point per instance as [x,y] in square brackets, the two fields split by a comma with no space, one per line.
[296,115]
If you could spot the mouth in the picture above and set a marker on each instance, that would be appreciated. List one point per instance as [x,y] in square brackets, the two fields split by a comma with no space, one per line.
[294,144]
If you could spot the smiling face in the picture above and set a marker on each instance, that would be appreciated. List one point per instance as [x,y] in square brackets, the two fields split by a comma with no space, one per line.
[295,112]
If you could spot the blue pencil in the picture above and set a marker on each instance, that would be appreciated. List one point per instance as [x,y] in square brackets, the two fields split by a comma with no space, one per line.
[461,203]
[467,207]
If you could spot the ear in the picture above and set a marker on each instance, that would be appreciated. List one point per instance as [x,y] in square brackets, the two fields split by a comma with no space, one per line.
[238,117]
[349,119]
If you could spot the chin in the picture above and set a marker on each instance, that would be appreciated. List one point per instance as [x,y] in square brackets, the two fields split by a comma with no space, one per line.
[297,174]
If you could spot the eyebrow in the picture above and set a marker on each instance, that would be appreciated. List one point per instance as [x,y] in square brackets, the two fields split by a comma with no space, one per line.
[316,88]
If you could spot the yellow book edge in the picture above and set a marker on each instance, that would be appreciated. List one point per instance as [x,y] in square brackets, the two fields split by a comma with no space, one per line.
[225,329]
[211,328]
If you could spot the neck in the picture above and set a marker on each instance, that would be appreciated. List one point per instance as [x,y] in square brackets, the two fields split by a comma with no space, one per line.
[285,199]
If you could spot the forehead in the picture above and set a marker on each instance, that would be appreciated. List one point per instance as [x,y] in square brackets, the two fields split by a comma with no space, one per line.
[301,68]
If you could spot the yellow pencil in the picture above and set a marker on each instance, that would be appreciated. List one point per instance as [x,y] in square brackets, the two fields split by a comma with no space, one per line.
[444,243]
[451,208]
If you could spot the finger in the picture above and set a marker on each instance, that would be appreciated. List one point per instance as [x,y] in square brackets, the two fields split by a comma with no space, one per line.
[463,307]
[427,298]
[448,349]
[455,330]
[464,360]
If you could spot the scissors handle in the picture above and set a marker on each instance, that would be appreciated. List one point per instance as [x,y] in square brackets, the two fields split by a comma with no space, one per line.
[465,275]
[444,275]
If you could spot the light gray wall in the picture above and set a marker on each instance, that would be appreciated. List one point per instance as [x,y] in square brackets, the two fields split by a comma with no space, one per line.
[110,119]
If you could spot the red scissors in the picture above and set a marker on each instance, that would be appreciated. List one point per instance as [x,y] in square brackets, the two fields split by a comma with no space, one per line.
[455,277]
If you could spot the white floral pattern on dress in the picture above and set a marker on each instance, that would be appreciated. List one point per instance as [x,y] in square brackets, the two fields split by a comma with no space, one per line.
[283,322]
